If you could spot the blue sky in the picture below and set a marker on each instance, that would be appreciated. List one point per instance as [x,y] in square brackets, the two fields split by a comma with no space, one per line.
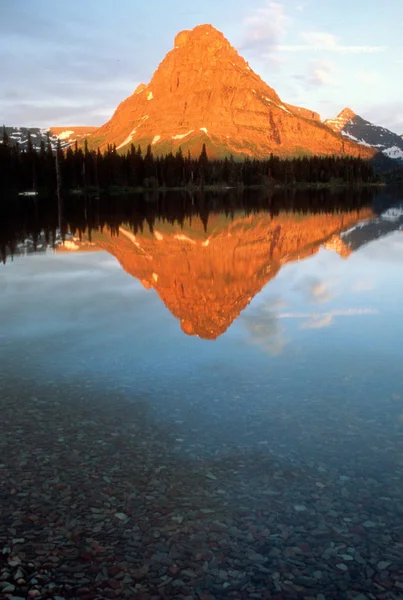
[71,63]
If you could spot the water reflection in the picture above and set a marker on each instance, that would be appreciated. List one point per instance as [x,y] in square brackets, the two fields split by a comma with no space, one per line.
[207,263]
[269,460]
[206,277]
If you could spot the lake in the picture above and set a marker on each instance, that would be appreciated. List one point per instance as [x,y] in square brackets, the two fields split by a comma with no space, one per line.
[202,396]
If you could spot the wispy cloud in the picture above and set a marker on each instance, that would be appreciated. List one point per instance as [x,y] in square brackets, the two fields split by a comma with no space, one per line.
[389,113]
[320,73]
[265,29]
[318,41]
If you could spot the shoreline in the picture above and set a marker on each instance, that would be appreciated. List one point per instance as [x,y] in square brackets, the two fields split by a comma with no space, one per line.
[116,190]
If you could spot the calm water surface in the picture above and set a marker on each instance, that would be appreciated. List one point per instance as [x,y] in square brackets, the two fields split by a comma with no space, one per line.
[241,339]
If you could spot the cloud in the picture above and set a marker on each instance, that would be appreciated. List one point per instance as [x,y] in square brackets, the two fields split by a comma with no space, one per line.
[60,77]
[389,114]
[265,28]
[387,250]
[318,41]
[320,73]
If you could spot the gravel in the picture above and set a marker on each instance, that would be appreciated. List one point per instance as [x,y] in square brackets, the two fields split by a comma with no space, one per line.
[99,500]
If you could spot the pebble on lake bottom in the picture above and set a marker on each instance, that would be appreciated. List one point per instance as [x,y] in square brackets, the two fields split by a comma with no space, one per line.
[90,514]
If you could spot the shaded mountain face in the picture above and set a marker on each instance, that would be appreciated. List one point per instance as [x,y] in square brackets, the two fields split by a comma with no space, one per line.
[205,92]
[372,229]
[66,135]
[207,277]
[357,129]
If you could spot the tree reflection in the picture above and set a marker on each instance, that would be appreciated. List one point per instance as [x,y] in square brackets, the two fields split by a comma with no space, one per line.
[206,255]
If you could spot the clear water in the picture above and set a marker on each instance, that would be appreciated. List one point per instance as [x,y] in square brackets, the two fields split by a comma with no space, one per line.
[308,374]
[320,344]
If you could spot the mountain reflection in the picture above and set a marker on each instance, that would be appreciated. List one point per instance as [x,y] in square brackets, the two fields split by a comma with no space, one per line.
[205,258]
[207,277]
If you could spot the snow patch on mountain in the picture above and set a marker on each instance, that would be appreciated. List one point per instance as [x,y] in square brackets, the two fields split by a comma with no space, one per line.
[393,214]
[65,135]
[354,139]
[394,152]
[180,136]
[127,140]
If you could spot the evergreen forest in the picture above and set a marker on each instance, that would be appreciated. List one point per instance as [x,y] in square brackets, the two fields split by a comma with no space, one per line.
[44,169]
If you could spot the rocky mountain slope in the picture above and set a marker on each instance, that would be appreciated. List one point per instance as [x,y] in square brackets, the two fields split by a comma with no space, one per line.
[206,278]
[357,129]
[66,135]
[205,92]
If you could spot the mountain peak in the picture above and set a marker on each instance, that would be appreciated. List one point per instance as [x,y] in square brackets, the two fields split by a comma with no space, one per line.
[340,121]
[204,92]
[365,133]
[206,34]
[346,114]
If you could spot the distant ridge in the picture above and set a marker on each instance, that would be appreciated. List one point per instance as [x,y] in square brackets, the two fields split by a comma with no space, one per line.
[357,129]
[66,135]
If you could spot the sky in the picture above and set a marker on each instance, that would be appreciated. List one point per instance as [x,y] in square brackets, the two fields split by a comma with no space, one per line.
[72,63]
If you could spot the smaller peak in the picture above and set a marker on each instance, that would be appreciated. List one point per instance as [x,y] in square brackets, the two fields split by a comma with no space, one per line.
[346,114]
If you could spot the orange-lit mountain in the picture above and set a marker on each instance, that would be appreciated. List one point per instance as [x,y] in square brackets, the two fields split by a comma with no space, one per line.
[207,278]
[205,92]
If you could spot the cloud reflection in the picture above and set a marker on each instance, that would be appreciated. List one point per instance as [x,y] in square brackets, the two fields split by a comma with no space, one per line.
[364,285]
[325,319]
[265,330]
[316,290]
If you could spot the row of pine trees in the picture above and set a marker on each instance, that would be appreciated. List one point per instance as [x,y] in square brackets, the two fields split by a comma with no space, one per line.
[78,167]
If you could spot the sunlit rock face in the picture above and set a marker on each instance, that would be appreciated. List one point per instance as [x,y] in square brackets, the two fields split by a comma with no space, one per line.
[207,273]
[205,92]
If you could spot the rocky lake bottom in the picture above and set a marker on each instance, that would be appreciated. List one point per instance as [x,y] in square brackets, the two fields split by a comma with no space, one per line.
[261,458]
[99,501]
